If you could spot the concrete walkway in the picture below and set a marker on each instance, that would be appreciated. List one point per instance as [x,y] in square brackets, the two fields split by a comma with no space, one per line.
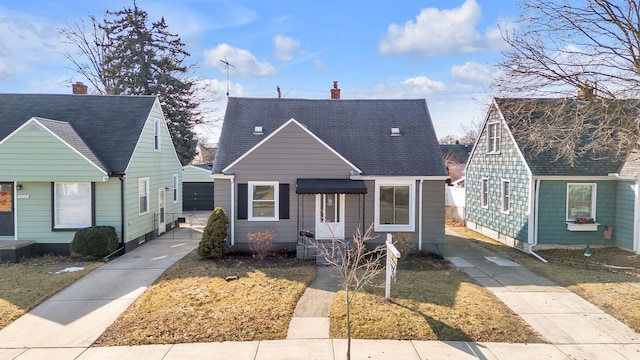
[64,326]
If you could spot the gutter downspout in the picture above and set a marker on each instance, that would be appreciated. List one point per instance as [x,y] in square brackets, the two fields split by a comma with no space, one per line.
[233,211]
[536,196]
[420,216]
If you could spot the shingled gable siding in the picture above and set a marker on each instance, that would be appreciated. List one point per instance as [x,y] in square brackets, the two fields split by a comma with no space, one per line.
[623,228]
[159,167]
[552,229]
[290,154]
[507,165]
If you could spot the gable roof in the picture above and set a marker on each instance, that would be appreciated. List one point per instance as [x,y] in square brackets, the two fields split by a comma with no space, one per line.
[546,163]
[109,126]
[359,130]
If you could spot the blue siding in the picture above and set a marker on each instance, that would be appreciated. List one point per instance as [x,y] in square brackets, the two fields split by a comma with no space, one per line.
[507,165]
[623,228]
[552,224]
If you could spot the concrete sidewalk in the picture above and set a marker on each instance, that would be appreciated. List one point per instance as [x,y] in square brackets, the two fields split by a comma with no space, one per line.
[65,326]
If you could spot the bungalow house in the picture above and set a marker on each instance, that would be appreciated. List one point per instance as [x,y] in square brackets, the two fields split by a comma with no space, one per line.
[330,167]
[73,161]
[531,199]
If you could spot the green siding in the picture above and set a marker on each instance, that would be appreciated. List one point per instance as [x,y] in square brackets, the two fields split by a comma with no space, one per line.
[108,205]
[21,158]
[625,202]
[507,165]
[196,174]
[159,167]
[552,223]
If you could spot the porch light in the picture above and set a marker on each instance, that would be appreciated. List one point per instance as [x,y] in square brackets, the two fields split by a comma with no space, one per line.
[19,187]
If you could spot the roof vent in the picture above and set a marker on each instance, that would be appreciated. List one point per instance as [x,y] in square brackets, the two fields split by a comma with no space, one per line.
[257,130]
[395,131]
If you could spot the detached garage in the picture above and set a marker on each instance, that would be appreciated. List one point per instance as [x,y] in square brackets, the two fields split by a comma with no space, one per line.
[197,188]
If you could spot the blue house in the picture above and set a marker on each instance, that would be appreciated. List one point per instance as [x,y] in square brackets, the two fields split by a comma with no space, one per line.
[534,200]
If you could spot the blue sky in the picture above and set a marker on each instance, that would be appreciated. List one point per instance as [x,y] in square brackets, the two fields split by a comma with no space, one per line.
[442,50]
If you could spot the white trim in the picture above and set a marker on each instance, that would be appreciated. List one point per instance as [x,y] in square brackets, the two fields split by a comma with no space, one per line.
[232,216]
[147,187]
[276,200]
[56,221]
[482,191]
[337,232]
[594,196]
[412,205]
[35,120]
[175,194]
[420,200]
[157,138]
[268,137]
[498,137]
[162,200]
[502,196]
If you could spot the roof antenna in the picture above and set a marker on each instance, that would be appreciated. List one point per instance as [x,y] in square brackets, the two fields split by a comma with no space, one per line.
[278,90]
[226,66]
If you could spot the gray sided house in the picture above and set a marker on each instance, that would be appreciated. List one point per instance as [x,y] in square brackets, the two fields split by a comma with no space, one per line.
[535,200]
[330,167]
[73,161]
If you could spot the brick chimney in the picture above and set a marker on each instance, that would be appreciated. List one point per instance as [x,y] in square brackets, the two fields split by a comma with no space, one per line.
[79,88]
[335,92]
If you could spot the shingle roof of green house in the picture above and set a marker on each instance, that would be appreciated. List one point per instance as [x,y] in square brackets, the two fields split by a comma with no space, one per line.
[518,112]
[103,128]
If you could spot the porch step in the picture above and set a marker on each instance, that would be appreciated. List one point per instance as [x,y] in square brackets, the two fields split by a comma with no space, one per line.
[14,250]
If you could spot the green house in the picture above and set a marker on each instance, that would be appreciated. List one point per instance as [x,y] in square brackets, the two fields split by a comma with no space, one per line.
[534,200]
[74,161]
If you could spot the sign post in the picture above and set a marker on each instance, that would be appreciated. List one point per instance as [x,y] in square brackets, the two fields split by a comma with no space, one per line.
[392,264]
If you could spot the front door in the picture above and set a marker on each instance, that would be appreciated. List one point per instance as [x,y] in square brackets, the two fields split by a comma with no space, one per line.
[6,209]
[330,216]
[162,226]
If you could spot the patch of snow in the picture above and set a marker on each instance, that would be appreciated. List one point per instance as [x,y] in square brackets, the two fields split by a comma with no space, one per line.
[69,269]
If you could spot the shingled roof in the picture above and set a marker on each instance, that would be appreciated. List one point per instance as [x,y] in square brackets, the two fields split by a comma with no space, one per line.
[518,111]
[108,126]
[359,130]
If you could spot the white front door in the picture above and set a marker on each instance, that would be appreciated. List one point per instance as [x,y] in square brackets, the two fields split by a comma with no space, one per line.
[330,216]
[162,226]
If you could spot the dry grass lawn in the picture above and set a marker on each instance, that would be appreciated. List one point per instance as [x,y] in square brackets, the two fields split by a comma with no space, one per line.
[26,284]
[192,302]
[431,300]
[609,278]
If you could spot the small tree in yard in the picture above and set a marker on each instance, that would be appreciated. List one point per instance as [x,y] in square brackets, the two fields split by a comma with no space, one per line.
[261,243]
[357,266]
[214,237]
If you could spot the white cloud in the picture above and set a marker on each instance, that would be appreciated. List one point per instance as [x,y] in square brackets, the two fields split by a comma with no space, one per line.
[415,87]
[474,73]
[320,65]
[245,64]
[286,47]
[437,32]
[213,91]
[5,70]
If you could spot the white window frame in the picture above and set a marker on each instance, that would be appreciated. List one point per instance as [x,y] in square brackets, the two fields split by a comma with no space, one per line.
[494,132]
[156,135]
[505,202]
[85,211]
[145,182]
[175,188]
[276,198]
[412,206]
[484,193]
[594,193]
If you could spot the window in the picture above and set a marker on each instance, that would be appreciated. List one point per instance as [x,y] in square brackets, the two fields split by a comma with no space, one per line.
[175,188]
[263,205]
[493,138]
[156,135]
[143,195]
[395,206]
[485,193]
[73,205]
[505,196]
[581,201]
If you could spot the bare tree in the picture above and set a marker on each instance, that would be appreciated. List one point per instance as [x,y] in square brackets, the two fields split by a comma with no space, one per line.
[559,48]
[471,131]
[448,140]
[357,266]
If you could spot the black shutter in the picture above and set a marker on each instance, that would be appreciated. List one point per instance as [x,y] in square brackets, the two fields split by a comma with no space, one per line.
[283,208]
[243,193]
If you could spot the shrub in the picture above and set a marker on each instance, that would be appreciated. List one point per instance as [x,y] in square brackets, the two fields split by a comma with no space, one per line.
[261,243]
[97,241]
[214,237]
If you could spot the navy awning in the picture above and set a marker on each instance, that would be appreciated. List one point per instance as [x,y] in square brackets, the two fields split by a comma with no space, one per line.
[330,186]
